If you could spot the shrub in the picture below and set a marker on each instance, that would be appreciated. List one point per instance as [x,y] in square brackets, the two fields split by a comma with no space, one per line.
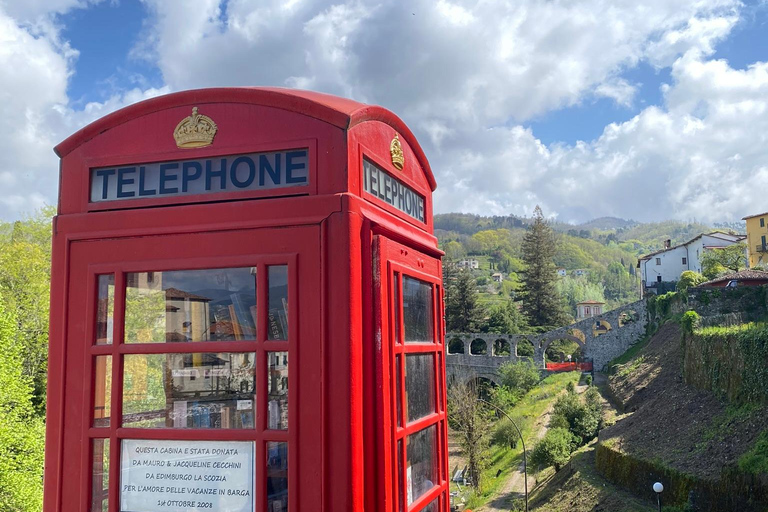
[505,434]
[504,397]
[583,418]
[554,449]
[755,461]
[688,279]
[592,398]
[588,380]
[570,387]
[520,376]
[689,321]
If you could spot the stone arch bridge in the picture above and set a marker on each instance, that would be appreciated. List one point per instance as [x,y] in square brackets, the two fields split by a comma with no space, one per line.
[601,339]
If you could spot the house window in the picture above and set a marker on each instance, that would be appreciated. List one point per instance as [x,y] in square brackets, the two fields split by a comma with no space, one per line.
[586,310]
[762,222]
[658,261]
[685,261]
[658,279]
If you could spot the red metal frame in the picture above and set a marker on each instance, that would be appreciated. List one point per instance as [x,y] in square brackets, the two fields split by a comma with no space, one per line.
[394,262]
[340,450]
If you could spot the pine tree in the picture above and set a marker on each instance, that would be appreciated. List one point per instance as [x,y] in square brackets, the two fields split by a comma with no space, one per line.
[542,305]
[461,310]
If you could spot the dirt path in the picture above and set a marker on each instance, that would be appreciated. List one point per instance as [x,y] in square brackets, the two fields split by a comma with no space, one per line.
[514,488]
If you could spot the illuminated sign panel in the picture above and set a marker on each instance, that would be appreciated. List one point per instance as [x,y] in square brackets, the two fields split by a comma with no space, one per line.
[378,182]
[254,171]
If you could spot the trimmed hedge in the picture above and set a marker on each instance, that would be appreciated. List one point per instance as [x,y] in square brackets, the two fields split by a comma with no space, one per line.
[734,490]
[729,361]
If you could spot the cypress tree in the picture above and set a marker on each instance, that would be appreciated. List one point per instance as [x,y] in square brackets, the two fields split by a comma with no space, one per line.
[542,305]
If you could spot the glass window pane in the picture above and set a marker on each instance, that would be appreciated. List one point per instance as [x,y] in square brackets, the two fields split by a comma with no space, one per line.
[417,310]
[105,309]
[102,392]
[431,506]
[199,390]
[191,305]
[420,466]
[277,316]
[397,308]
[277,390]
[277,477]
[420,385]
[100,476]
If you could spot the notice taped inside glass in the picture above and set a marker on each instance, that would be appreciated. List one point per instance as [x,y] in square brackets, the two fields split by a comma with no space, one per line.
[182,476]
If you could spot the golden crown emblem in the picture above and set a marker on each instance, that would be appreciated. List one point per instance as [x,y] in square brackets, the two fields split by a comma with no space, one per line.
[396,150]
[195,131]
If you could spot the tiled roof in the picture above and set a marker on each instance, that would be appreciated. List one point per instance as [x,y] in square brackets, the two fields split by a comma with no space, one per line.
[712,234]
[175,293]
[755,215]
[590,302]
[744,275]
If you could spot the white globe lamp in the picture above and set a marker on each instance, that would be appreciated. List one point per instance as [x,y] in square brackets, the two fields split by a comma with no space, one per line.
[658,488]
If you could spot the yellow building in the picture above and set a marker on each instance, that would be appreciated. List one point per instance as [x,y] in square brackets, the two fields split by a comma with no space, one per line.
[757,235]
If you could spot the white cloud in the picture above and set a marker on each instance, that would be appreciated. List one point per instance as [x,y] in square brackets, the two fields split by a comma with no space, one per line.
[36,113]
[699,34]
[494,61]
[704,157]
[464,74]
[619,90]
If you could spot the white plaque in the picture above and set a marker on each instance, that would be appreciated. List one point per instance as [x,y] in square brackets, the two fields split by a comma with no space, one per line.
[183,476]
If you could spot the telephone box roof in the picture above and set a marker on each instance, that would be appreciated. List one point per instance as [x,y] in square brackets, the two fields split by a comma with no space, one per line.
[340,112]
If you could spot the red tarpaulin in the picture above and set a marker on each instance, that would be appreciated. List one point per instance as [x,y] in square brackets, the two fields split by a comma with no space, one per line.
[569,367]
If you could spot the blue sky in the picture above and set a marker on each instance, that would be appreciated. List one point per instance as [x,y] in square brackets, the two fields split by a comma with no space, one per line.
[105,34]
[649,110]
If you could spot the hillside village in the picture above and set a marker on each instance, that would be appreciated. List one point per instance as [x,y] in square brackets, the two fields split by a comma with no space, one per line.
[698,285]
[610,261]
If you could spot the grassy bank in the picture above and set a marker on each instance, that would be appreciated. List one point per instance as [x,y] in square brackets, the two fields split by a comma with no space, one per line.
[505,459]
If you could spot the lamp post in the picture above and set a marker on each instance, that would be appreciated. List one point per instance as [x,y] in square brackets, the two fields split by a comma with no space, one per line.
[658,488]
[525,459]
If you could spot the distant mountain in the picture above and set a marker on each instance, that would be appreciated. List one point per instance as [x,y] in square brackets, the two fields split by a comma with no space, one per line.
[607,224]
[635,237]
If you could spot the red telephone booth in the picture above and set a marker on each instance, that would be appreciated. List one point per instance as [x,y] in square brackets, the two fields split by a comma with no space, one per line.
[246,311]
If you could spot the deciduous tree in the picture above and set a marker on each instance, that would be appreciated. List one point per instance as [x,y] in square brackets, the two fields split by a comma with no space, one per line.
[22,433]
[728,259]
[471,421]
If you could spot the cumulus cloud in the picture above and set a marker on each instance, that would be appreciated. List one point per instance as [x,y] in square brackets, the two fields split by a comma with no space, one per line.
[36,116]
[704,156]
[467,76]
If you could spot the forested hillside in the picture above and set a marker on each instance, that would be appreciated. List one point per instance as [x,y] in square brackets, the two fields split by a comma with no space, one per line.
[599,257]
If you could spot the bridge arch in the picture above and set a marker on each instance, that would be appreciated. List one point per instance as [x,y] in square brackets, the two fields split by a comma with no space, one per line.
[627,326]
[456,346]
[501,347]
[524,348]
[601,327]
[627,317]
[552,352]
[479,347]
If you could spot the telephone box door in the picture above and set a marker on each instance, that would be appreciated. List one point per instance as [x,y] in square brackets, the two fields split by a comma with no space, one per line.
[183,360]
[410,379]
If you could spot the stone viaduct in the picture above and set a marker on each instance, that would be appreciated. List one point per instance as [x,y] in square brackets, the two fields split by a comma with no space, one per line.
[601,339]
